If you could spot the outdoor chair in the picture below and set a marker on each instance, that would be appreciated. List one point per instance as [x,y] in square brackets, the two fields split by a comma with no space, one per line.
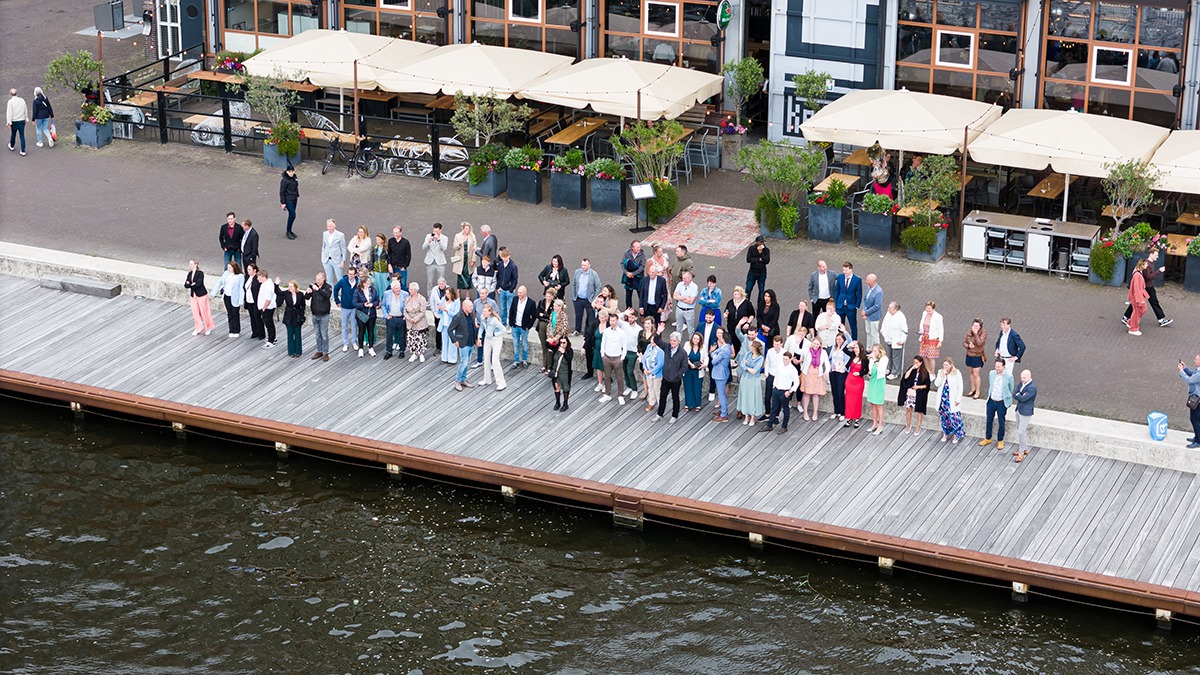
[1083,215]
[856,207]
[696,152]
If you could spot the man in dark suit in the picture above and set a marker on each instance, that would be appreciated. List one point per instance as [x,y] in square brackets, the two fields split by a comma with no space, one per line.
[820,287]
[803,317]
[249,243]
[847,296]
[674,366]
[230,237]
[653,295]
[522,315]
[1009,345]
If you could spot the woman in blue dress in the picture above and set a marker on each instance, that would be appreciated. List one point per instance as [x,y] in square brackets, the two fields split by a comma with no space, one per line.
[721,356]
[750,394]
[693,378]
[446,312]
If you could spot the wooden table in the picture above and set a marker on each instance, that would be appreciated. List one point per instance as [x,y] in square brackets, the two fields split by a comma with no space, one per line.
[1191,218]
[142,99]
[372,95]
[908,211]
[1177,245]
[858,157]
[198,119]
[305,87]
[443,103]
[849,180]
[578,131]
[1051,187]
[214,76]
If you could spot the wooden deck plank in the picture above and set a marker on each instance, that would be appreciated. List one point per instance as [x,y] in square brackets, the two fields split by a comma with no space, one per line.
[1097,533]
[1094,500]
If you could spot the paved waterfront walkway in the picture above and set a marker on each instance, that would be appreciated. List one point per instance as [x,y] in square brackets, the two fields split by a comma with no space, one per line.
[1057,508]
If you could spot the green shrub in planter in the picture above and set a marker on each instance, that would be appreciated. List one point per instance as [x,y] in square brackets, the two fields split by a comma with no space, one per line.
[878,204]
[486,159]
[665,202]
[920,238]
[789,215]
[1103,261]
[766,211]
[527,158]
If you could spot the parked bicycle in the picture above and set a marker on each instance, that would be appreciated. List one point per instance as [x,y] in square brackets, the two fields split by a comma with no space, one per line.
[363,159]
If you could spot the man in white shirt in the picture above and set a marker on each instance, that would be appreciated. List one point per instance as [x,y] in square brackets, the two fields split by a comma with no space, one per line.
[266,307]
[785,382]
[820,287]
[894,332]
[685,295]
[772,363]
[15,116]
[612,352]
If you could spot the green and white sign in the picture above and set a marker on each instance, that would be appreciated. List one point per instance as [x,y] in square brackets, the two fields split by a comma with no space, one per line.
[724,14]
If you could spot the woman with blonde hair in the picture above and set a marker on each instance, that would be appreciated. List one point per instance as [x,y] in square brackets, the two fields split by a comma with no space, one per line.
[750,393]
[462,262]
[202,309]
[814,366]
[358,249]
[293,318]
[876,385]
[950,382]
[232,286]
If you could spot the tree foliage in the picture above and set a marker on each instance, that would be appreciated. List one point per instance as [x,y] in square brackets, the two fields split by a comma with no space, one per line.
[746,79]
[77,72]
[1130,187]
[482,116]
[935,180]
[652,147]
[812,86]
[265,95]
[781,168]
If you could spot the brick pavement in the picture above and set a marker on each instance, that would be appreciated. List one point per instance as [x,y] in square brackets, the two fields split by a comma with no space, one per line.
[162,205]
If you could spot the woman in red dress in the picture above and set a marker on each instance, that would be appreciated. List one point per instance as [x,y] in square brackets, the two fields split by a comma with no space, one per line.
[855,383]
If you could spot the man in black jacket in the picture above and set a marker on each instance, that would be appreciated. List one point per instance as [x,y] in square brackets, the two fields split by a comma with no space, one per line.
[653,295]
[758,257]
[591,322]
[463,333]
[230,237]
[289,194]
[399,255]
[249,244]
[674,366]
[522,315]
[320,304]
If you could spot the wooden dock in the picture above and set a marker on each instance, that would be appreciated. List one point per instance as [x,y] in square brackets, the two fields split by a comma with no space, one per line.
[1062,521]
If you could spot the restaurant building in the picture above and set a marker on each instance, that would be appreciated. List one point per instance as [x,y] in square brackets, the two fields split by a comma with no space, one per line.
[1132,59]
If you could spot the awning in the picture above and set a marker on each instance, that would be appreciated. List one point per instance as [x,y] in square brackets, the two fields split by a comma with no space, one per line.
[472,69]
[326,58]
[612,86]
[900,120]
[1179,159]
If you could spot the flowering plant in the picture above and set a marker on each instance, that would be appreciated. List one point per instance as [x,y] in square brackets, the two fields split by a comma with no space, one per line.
[231,63]
[96,114]
[605,169]
[286,136]
[571,161]
[726,127]
[487,158]
[879,204]
[528,158]
[834,196]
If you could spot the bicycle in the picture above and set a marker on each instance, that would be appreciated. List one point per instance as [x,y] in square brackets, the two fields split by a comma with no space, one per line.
[363,160]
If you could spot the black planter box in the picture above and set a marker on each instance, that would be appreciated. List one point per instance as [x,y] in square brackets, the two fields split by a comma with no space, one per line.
[608,196]
[93,135]
[825,223]
[568,191]
[1191,273]
[493,186]
[525,186]
[875,230]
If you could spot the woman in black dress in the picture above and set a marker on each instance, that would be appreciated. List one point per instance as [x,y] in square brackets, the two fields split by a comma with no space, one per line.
[554,277]
[768,318]
[544,309]
[739,307]
[560,375]
[914,394]
[293,318]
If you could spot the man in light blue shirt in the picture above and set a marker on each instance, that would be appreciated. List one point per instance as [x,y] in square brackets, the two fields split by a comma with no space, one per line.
[1000,388]
[395,331]
[685,297]
[1192,377]
[587,286]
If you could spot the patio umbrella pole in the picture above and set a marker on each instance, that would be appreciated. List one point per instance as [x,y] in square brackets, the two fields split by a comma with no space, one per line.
[341,108]
[1066,194]
[356,103]
[962,184]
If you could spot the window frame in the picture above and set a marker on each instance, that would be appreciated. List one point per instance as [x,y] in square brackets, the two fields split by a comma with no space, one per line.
[1130,65]
[937,52]
[541,13]
[678,7]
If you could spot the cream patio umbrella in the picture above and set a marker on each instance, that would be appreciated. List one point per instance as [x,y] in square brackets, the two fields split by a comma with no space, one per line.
[1070,142]
[472,69]
[638,89]
[900,120]
[1179,159]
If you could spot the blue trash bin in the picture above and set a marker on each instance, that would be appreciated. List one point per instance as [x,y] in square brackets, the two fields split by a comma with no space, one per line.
[1158,425]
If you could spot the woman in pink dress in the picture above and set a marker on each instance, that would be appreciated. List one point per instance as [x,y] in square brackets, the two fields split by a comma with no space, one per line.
[855,383]
[1137,298]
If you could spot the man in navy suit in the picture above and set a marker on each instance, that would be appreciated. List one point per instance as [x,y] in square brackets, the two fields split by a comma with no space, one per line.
[1009,345]
[249,243]
[652,294]
[847,296]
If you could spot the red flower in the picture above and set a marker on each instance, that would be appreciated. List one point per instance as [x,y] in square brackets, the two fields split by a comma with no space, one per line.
[1108,244]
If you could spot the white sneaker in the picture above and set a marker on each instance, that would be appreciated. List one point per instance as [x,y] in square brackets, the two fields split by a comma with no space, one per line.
[412,359]
[621,400]
[268,345]
[627,391]
[598,388]
[50,141]
[672,420]
[476,365]
[371,351]
[233,335]
[502,388]
[712,397]
[39,144]
[195,332]
[345,349]
[605,398]
[207,331]
[422,358]
[360,352]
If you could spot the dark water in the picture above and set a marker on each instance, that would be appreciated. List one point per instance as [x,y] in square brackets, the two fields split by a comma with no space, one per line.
[123,550]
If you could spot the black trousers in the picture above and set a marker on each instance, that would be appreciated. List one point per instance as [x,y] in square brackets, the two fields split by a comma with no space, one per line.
[581,308]
[268,321]
[1153,302]
[819,306]
[589,353]
[256,322]
[1194,416]
[235,316]
[671,388]
[631,294]
[652,312]
[837,388]
[767,395]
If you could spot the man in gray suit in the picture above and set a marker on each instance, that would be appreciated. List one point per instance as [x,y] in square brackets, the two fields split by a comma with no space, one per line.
[435,245]
[333,250]
[820,287]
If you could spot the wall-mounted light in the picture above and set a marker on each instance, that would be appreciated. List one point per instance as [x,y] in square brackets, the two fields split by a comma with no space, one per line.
[576,25]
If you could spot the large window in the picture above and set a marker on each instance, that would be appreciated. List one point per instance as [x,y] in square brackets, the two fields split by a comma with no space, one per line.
[270,17]
[540,25]
[664,31]
[962,48]
[1114,58]
[405,19]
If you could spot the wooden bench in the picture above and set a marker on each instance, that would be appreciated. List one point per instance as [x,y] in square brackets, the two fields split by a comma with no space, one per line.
[84,285]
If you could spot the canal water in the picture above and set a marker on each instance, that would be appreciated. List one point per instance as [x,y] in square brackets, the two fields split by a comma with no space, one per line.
[125,550]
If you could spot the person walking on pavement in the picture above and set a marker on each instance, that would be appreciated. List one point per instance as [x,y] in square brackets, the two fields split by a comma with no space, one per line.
[1150,276]
[435,245]
[43,117]
[15,116]
[758,256]
[1137,297]
[1026,397]
[230,238]
[289,194]
[1192,377]
[333,250]
[1000,388]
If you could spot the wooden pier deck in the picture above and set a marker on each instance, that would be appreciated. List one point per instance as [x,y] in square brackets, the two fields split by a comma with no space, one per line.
[1064,521]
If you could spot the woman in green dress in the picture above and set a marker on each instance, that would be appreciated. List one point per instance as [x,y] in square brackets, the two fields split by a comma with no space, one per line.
[875,387]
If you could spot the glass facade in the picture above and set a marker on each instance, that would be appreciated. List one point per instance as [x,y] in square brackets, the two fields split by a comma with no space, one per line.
[275,18]
[540,25]
[1113,58]
[962,48]
[674,33]
[406,19]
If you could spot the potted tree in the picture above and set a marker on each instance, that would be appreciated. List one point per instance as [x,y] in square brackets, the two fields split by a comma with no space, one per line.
[827,212]
[265,95]
[1106,263]
[1129,186]
[743,78]
[653,148]
[568,179]
[812,87]
[925,239]
[81,72]
[487,176]
[875,222]
[1191,265]
[784,173]
[524,166]
[606,185]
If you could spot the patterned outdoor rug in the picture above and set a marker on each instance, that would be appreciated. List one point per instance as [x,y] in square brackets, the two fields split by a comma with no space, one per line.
[717,231]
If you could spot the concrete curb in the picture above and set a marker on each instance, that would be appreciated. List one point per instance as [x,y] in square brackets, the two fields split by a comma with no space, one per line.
[1050,429]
